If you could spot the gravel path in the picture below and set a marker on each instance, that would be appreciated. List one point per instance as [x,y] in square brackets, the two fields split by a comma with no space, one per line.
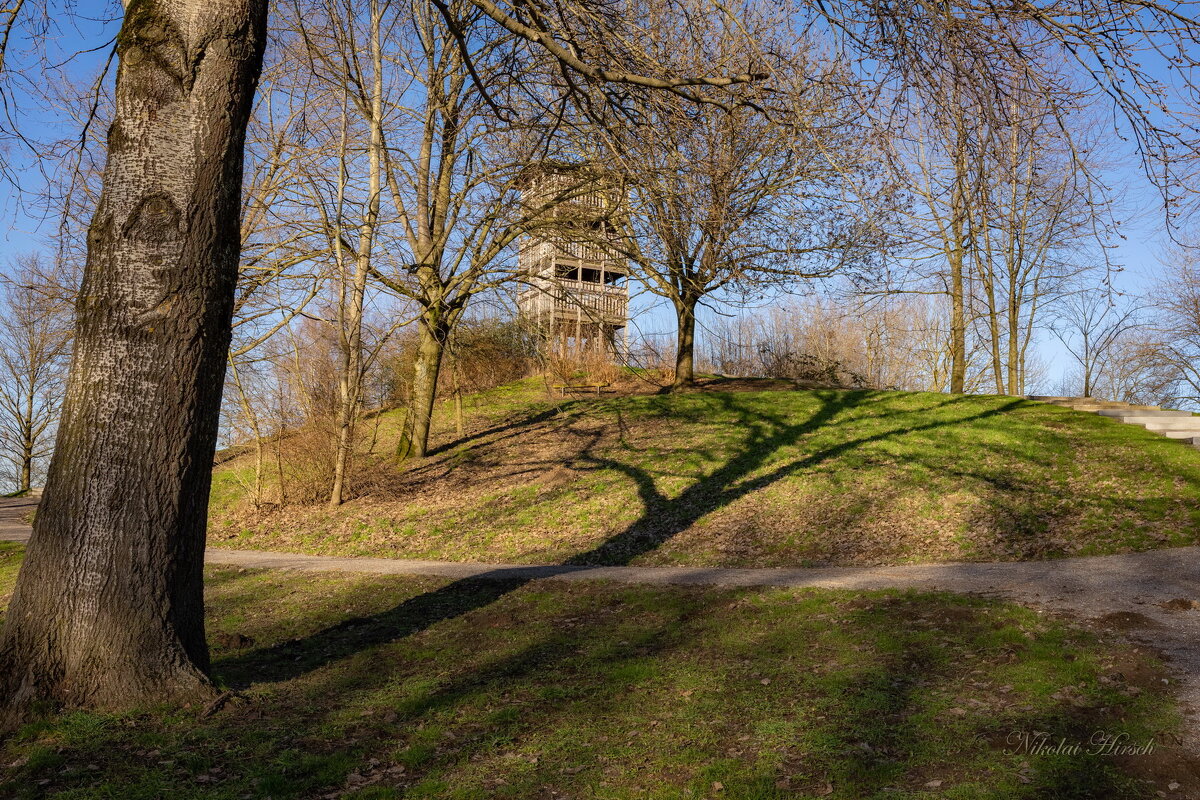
[1152,598]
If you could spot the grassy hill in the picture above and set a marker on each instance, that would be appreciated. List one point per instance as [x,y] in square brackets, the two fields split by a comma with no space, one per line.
[363,686]
[747,473]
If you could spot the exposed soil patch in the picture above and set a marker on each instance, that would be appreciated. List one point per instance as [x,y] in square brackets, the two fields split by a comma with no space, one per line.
[1126,621]
[1167,771]
[554,478]
[1179,604]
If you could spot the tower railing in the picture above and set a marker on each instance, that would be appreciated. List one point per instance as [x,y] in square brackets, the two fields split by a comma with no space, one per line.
[566,299]
[534,256]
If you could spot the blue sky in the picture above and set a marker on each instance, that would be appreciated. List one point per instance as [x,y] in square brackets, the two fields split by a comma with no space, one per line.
[22,232]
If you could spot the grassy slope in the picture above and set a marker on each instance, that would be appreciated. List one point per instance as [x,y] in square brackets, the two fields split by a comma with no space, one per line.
[10,563]
[372,687]
[233,477]
[752,478]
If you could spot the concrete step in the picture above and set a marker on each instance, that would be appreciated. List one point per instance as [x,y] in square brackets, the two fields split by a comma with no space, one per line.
[1190,436]
[1096,400]
[1137,414]
[1182,426]
[1096,407]
[1117,413]
[1161,425]
[1183,437]
[1088,403]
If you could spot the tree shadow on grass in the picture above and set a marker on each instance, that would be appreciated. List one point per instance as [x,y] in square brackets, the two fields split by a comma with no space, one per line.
[865,726]
[508,428]
[866,706]
[1071,494]
[661,518]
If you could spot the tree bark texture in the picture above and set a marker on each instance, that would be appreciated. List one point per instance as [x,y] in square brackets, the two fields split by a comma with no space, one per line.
[685,312]
[430,349]
[108,608]
[1014,339]
[958,317]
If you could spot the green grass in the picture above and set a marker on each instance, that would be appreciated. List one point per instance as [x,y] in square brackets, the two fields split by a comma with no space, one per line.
[374,687]
[231,484]
[10,563]
[776,478]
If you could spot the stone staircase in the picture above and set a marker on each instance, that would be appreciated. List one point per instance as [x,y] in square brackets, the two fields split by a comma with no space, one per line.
[1181,425]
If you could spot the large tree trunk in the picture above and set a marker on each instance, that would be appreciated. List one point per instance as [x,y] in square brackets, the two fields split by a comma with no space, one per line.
[430,348]
[685,313]
[25,482]
[108,608]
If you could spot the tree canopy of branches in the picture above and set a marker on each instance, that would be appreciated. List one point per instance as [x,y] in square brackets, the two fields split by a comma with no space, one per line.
[739,202]
[1008,204]
[1091,326]
[453,170]
[1175,316]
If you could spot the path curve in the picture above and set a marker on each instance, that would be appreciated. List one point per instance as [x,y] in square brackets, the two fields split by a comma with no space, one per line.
[1161,587]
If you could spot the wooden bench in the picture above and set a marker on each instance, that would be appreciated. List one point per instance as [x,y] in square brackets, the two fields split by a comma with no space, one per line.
[563,388]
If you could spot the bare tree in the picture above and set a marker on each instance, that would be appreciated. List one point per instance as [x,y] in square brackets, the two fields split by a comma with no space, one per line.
[354,267]
[938,155]
[1008,208]
[1043,222]
[285,254]
[1139,369]
[1090,325]
[333,81]
[455,187]
[1174,315]
[896,342]
[735,201]
[35,339]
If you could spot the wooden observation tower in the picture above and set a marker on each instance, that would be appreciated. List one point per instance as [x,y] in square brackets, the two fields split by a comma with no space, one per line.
[575,293]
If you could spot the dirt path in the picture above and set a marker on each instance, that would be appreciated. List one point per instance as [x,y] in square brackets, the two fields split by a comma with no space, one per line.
[1152,598]
[13,513]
